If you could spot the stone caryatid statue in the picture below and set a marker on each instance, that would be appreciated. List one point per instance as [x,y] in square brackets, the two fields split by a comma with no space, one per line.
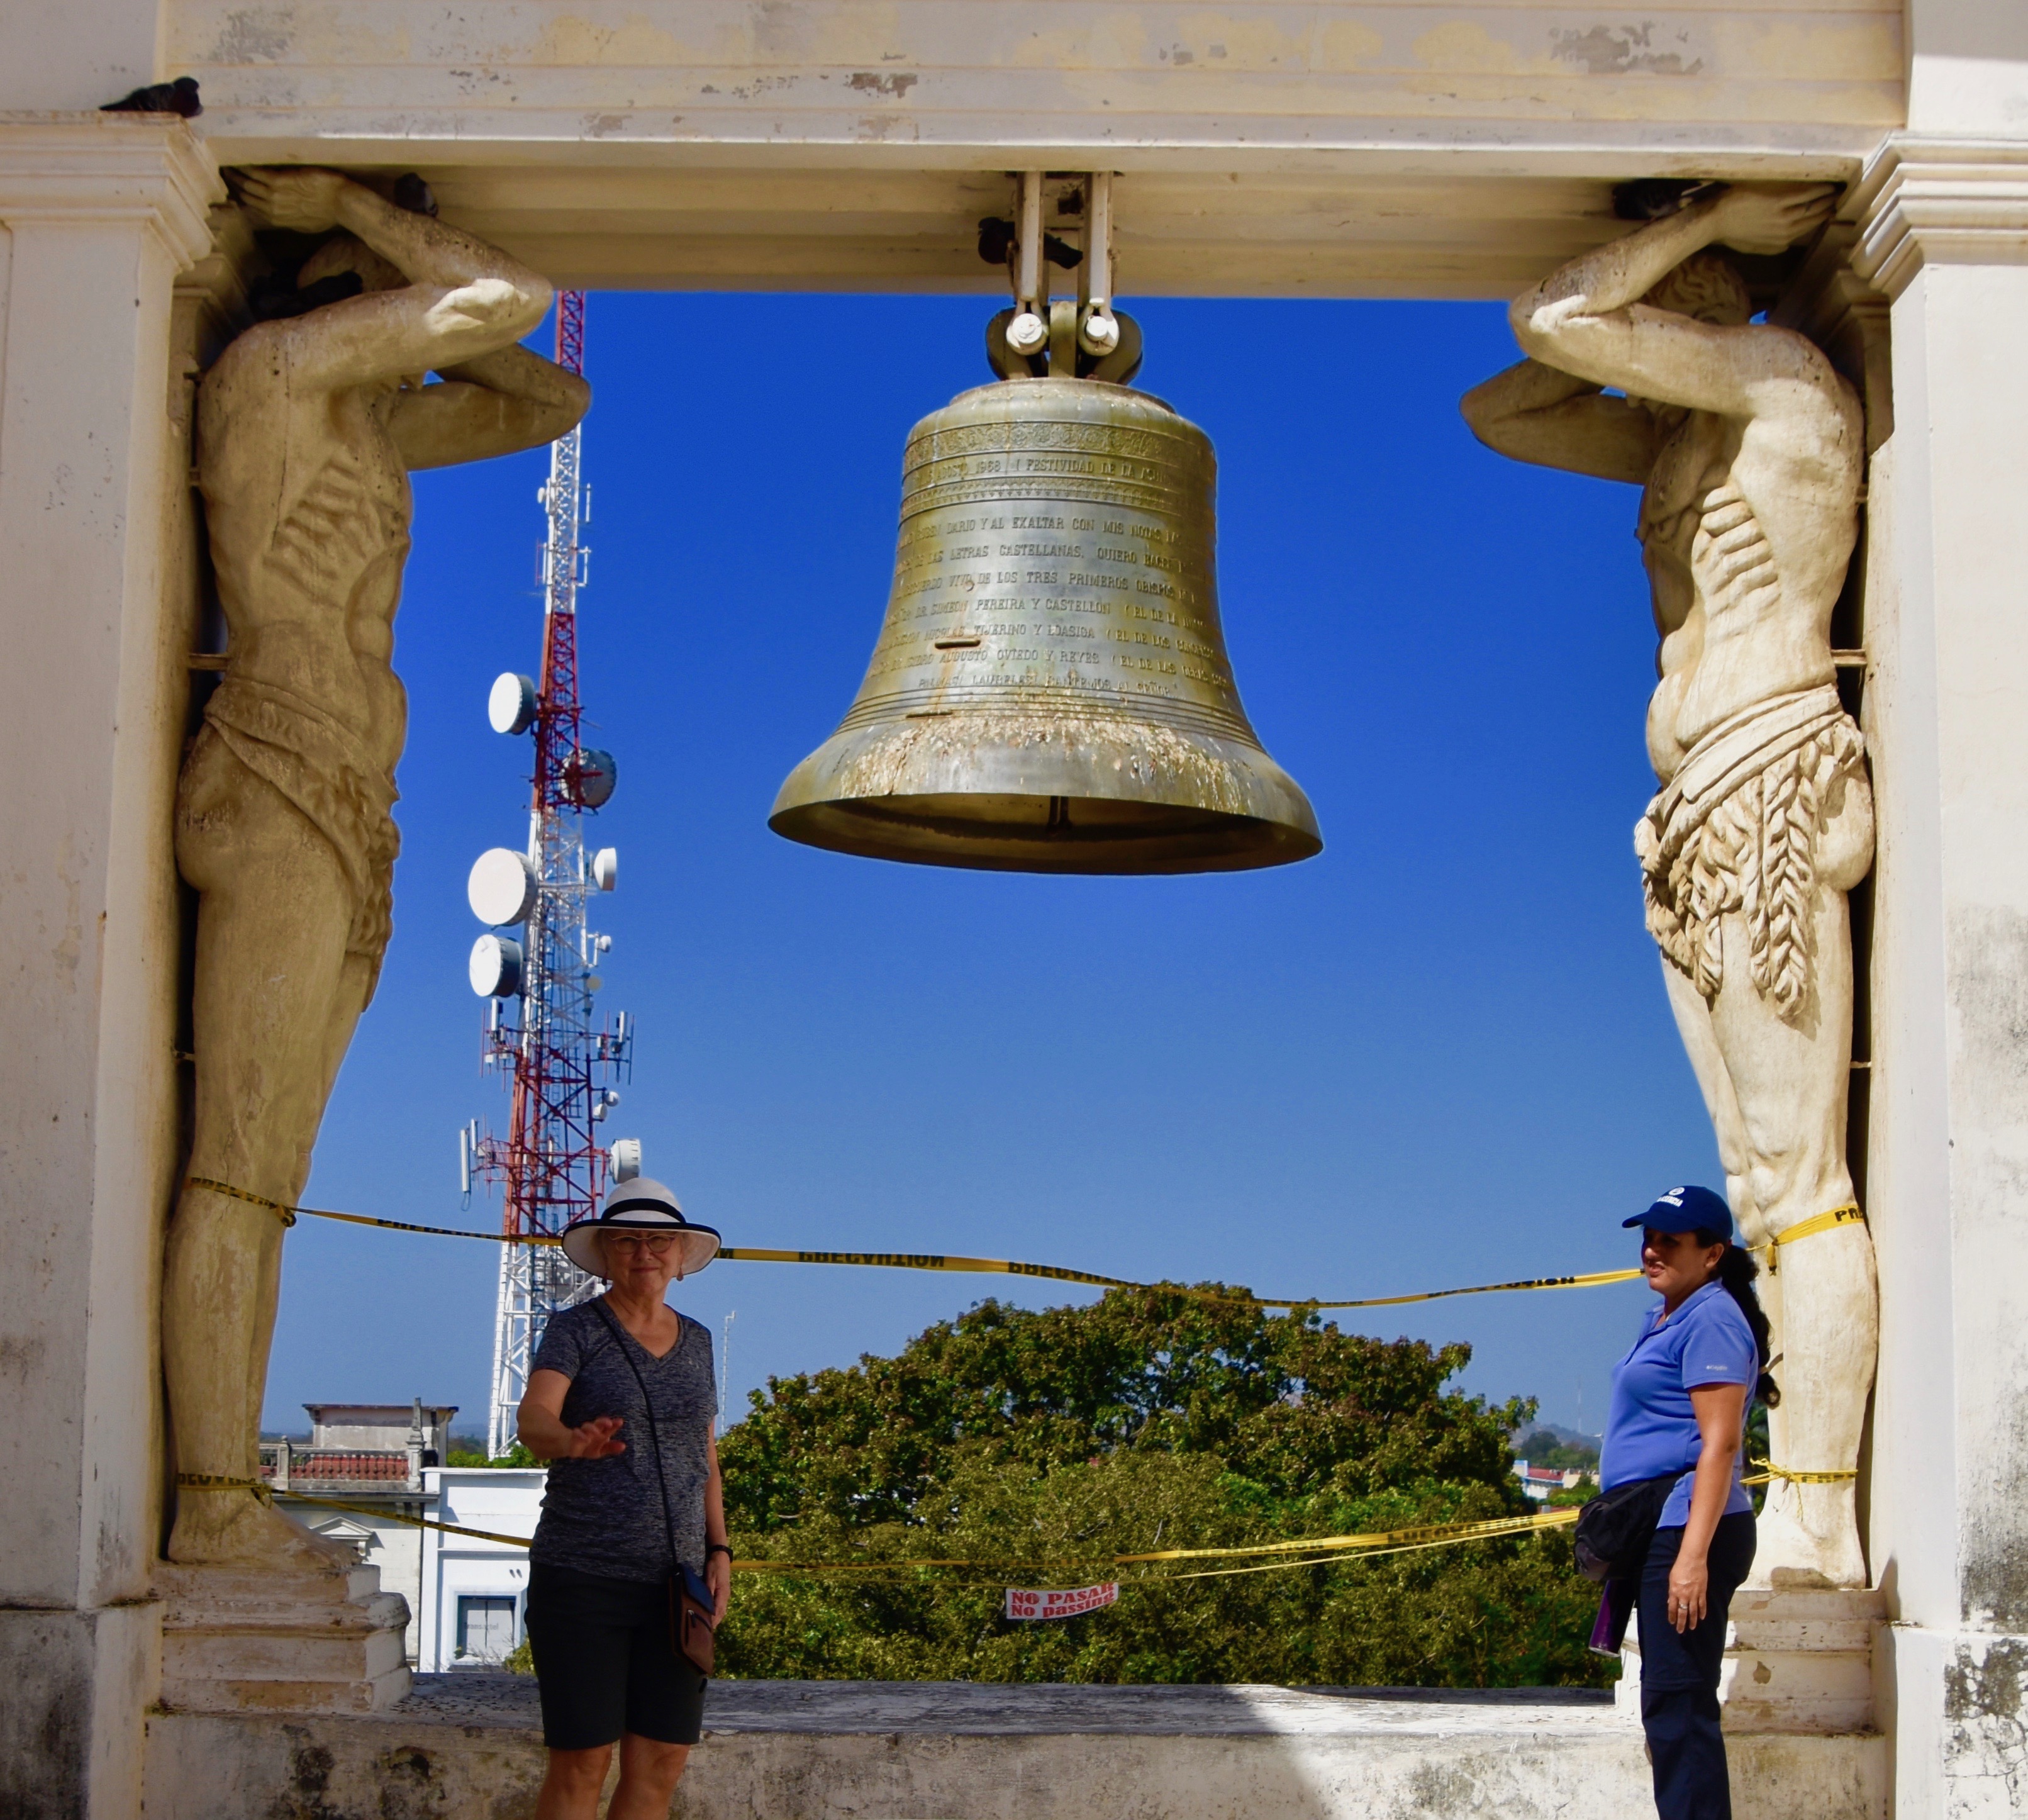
[307,429]
[1748,450]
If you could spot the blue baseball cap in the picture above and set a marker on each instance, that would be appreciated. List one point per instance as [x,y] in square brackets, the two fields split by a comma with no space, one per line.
[1687,1210]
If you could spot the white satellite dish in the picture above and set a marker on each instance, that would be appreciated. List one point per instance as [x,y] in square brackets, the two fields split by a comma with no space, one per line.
[605,867]
[496,966]
[502,889]
[511,707]
[592,776]
[625,1157]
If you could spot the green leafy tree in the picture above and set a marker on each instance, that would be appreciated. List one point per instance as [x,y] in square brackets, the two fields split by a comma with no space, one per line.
[1542,1448]
[1046,1443]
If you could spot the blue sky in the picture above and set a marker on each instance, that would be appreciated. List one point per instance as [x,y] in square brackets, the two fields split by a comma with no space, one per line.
[1439,1053]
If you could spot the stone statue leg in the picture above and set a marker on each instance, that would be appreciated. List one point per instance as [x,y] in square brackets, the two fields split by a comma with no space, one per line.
[276,1000]
[1777,1094]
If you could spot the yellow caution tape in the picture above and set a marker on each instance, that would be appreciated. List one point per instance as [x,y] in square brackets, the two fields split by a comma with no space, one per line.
[212,1481]
[1847,1215]
[1770,1471]
[1324,1549]
[206,1482]
[414,1522]
[931,1261]
[285,1214]
[939,1261]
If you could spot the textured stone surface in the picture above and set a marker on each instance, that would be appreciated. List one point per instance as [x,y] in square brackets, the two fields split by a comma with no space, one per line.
[807,144]
[1797,1659]
[309,1639]
[471,1744]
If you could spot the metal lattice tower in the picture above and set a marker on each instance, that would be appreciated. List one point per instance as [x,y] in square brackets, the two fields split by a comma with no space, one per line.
[562,1056]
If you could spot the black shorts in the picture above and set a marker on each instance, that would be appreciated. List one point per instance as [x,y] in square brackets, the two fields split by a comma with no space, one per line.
[603,1662]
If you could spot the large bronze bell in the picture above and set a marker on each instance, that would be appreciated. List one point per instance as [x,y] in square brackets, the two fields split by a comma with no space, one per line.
[1050,692]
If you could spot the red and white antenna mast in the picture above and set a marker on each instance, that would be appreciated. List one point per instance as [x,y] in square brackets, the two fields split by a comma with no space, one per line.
[562,1057]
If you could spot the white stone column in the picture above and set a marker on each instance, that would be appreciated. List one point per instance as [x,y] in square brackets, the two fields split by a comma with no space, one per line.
[98,215]
[1945,234]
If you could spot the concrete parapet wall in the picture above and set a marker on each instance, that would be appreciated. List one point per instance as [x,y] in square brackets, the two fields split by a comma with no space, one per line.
[470,1745]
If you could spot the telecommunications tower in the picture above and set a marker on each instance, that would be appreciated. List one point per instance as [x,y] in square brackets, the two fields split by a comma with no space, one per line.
[539,966]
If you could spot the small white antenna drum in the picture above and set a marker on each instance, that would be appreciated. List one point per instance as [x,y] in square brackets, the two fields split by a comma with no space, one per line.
[605,867]
[511,707]
[502,889]
[496,968]
[625,1157]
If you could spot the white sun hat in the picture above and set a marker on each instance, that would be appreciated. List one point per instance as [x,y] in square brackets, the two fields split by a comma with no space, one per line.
[641,1205]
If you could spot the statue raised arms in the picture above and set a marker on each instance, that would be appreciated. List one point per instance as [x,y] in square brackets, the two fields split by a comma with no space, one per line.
[307,428]
[1749,450]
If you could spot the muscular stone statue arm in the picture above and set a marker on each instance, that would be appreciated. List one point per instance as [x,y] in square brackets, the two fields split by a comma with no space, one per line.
[495,404]
[1534,413]
[1585,319]
[464,300]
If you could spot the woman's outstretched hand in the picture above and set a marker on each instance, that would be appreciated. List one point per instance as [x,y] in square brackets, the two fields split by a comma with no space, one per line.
[593,1440]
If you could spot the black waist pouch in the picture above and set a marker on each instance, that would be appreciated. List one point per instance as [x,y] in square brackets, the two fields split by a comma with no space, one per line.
[1615,1528]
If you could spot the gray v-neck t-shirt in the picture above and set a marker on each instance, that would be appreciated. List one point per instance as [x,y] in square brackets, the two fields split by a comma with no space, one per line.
[605,1516]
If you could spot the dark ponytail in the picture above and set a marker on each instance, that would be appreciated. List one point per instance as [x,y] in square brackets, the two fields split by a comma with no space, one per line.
[1736,1271]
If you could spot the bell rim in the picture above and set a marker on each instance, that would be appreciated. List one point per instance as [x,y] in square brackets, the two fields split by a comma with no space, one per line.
[1252,843]
[823,802]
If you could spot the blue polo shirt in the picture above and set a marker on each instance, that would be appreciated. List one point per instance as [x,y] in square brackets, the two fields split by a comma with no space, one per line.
[1652,1429]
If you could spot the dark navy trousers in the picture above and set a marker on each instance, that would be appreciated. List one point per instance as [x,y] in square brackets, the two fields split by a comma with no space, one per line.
[1679,1675]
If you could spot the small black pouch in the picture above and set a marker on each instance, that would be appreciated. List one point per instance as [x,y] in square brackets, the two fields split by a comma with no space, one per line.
[691,1608]
[1615,1528]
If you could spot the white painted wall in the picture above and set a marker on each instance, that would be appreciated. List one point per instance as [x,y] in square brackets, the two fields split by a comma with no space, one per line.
[1947,236]
[77,53]
[97,215]
[1965,58]
[505,1499]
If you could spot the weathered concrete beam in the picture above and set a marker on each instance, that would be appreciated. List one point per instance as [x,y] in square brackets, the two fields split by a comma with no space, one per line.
[1419,147]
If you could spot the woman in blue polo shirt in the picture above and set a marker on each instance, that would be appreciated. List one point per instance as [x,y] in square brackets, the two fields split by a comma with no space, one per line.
[1679,1403]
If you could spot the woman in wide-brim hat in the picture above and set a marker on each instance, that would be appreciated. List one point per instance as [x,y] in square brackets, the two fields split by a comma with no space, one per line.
[640,1206]
[621,1401]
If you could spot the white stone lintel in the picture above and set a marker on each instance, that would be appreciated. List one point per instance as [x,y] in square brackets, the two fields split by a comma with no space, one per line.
[85,168]
[1925,200]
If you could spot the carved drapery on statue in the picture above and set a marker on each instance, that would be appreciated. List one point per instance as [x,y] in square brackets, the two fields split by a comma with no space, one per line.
[324,772]
[1737,828]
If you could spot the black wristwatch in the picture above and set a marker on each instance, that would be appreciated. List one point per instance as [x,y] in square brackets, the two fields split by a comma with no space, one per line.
[711,1548]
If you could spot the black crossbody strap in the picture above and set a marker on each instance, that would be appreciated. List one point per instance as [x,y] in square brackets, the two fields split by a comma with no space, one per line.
[654,1433]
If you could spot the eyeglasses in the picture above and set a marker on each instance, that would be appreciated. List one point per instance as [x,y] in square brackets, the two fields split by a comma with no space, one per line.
[654,1246]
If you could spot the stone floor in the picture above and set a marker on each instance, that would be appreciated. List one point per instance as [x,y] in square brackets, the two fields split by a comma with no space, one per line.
[470,1745]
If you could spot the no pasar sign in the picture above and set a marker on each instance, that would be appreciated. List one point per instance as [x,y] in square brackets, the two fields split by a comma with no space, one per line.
[1031,1602]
